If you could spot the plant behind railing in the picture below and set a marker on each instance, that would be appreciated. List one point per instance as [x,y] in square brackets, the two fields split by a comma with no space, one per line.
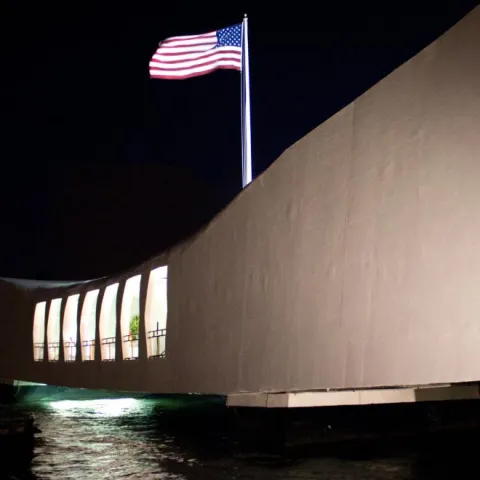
[135,325]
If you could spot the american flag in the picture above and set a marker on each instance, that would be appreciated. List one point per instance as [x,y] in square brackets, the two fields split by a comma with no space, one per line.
[189,56]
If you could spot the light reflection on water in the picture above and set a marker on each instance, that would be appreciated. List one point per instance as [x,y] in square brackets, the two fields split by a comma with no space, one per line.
[96,439]
[108,407]
[152,439]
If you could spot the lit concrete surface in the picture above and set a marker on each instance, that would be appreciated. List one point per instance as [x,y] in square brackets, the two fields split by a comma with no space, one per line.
[355,397]
[20,383]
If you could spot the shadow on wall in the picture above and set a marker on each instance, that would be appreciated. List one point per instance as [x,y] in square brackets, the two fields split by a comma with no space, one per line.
[114,217]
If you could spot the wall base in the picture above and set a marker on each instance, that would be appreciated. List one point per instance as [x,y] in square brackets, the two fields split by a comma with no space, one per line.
[355,397]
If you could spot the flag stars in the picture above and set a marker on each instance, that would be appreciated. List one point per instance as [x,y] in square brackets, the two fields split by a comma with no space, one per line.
[230,36]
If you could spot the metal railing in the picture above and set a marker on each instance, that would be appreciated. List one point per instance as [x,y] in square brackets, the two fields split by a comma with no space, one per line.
[38,352]
[156,340]
[131,347]
[108,349]
[70,351]
[88,350]
[53,351]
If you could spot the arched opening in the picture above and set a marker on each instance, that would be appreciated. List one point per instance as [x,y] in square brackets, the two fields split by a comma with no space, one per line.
[108,322]
[130,318]
[70,329]
[53,330]
[88,324]
[156,312]
[39,332]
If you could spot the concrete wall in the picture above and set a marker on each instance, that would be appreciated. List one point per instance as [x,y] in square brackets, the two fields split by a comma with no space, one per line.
[353,262]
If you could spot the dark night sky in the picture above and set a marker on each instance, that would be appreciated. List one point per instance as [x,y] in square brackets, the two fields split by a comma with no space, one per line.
[83,125]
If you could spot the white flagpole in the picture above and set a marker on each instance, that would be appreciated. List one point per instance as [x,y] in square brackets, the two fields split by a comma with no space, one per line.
[246,121]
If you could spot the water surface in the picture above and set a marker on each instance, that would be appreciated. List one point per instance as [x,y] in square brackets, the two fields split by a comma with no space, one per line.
[160,439]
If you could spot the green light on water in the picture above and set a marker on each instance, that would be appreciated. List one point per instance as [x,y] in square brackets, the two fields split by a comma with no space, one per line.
[110,407]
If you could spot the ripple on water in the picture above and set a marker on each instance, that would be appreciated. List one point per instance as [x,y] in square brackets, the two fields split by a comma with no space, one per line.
[140,439]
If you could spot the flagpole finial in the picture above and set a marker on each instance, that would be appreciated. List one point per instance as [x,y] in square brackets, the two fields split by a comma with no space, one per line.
[245,15]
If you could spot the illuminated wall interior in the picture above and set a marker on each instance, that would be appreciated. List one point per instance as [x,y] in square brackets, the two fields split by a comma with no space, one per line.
[130,318]
[53,330]
[70,328]
[156,312]
[39,331]
[88,324]
[108,322]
